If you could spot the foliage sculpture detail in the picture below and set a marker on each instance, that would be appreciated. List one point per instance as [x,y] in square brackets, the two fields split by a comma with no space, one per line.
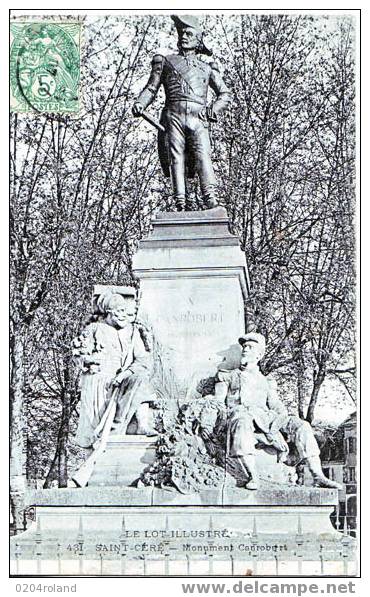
[190,450]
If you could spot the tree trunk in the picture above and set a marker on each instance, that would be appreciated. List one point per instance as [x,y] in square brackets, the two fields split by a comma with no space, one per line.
[63,455]
[318,380]
[53,470]
[17,452]
[301,388]
[58,470]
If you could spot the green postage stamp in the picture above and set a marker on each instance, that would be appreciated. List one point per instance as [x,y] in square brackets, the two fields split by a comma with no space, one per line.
[45,66]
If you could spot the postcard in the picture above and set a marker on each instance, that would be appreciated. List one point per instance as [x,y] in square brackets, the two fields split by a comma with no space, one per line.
[183,322]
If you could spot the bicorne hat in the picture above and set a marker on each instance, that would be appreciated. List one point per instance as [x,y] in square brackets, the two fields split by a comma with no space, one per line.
[182,21]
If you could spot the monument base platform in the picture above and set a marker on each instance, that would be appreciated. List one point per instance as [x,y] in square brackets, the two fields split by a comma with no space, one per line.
[186,540]
[154,496]
[117,530]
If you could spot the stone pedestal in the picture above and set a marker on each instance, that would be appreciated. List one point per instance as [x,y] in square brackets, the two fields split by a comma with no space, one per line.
[193,283]
[125,458]
[191,540]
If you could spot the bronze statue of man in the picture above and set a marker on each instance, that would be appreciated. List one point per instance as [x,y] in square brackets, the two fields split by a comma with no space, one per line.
[184,146]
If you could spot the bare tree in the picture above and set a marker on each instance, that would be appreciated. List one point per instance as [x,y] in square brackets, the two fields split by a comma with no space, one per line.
[78,184]
[288,186]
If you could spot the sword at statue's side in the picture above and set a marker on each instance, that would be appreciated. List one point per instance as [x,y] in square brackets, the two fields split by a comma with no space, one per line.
[161,129]
[153,122]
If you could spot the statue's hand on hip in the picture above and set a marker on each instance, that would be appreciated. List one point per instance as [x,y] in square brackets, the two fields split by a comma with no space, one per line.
[207,114]
[203,114]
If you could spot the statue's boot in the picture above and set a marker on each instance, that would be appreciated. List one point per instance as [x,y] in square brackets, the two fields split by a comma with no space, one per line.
[210,201]
[180,202]
[248,464]
[314,465]
[148,431]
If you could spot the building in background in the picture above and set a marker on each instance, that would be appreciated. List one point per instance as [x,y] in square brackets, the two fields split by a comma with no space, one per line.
[338,457]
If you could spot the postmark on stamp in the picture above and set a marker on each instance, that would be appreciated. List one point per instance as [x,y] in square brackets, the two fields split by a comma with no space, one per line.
[45,66]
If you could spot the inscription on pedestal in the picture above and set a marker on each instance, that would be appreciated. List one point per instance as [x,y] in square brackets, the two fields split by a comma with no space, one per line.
[196,321]
[193,292]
